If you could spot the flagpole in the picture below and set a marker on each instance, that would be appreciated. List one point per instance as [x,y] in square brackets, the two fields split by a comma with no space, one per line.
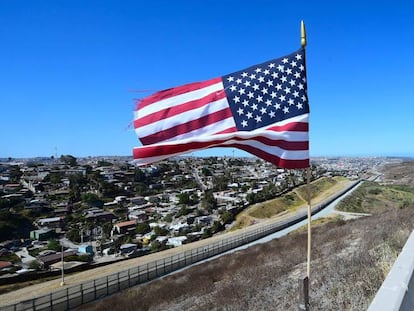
[303,44]
[304,303]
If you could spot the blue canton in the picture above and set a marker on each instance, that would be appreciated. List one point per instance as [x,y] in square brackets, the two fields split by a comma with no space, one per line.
[269,92]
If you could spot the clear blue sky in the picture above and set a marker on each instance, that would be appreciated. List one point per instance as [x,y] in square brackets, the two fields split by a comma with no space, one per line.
[68,69]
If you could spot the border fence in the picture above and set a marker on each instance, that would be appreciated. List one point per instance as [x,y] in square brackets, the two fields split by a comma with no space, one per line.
[76,295]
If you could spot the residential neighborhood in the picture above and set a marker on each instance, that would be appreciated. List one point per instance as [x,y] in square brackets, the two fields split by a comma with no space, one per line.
[100,209]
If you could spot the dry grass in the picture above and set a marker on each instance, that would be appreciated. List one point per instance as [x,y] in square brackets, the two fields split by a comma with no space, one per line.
[290,202]
[402,173]
[350,261]
[324,186]
[372,197]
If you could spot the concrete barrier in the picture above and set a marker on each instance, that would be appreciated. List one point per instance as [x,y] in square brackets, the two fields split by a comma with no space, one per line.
[397,291]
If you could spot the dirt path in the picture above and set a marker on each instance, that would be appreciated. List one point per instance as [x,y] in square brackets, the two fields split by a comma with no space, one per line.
[45,288]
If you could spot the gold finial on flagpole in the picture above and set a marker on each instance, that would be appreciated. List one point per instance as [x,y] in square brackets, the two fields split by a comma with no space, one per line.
[302,34]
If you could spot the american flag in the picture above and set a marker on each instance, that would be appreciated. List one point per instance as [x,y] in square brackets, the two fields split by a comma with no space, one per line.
[263,110]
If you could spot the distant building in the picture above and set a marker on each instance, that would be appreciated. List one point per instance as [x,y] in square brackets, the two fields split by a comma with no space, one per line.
[53,222]
[97,214]
[128,248]
[42,234]
[176,241]
[125,227]
[5,265]
[48,260]
[85,249]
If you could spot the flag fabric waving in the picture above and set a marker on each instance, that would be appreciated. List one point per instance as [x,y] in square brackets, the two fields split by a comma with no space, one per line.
[263,110]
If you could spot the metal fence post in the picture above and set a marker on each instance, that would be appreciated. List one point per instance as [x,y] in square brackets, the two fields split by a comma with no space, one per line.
[67,298]
[51,301]
[94,290]
[107,285]
[81,289]
[138,277]
[117,279]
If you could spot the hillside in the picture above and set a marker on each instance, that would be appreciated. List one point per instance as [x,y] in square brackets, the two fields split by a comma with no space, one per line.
[290,202]
[372,197]
[402,173]
[350,260]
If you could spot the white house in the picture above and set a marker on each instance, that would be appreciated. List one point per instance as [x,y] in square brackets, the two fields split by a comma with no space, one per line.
[176,241]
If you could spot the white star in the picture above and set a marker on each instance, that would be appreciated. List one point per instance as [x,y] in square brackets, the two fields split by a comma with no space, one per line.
[286,109]
[275,75]
[304,79]
[285,60]
[258,119]
[236,99]
[269,83]
[291,102]
[250,95]
[245,103]
[300,86]
[292,82]
[249,115]
[260,79]
[281,68]
[258,70]
[271,65]
[293,63]
[247,83]
[287,90]
[242,91]
[259,99]
[255,87]
[302,68]
[263,110]
[254,107]
[288,71]
[266,71]
[277,106]
[233,88]
[264,90]
[303,98]
[297,75]
[230,79]
[252,76]
[296,94]
[283,79]
[240,111]
[298,57]
[238,81]
[282,98]
[273,94]
[299,105]
[244,123]
[272,114]
[268,102]
[244,74]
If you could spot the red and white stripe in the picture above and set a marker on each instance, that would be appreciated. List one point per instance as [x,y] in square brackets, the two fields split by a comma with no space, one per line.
[183,112]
